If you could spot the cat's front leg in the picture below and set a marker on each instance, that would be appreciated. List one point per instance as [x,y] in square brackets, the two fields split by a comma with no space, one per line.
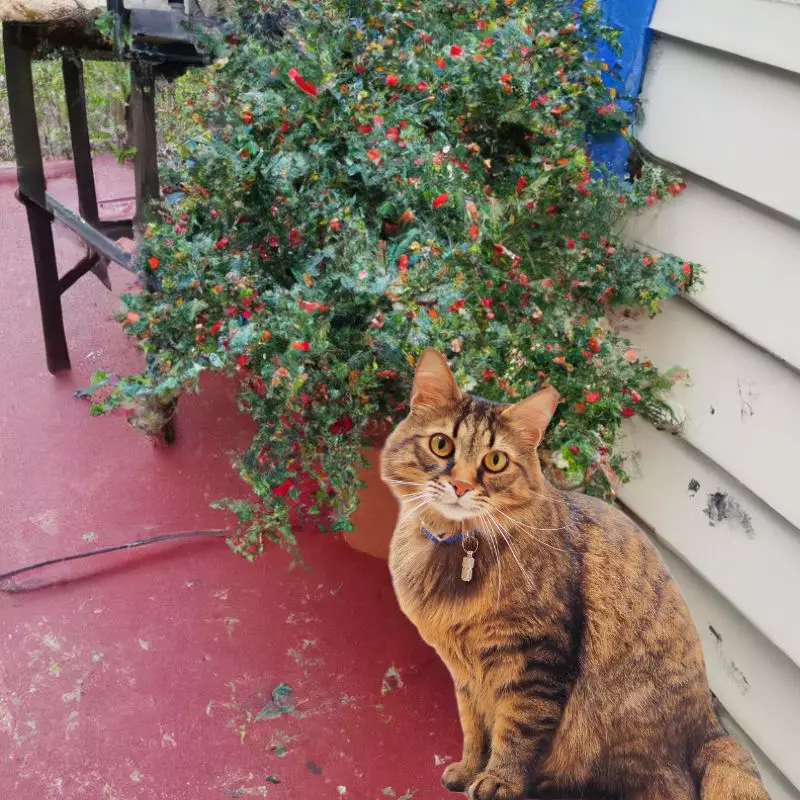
[457,777]
[523,727]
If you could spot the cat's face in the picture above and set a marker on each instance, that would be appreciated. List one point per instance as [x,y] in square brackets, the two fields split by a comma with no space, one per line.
[464,458]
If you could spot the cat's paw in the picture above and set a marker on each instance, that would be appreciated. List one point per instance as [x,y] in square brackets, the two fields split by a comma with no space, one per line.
[457,777]
[491,787]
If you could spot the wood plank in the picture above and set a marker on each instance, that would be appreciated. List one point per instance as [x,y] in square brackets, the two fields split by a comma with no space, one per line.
[756,683]
[731,121]
[747,552]
[741,407]
[50,10]
[747,253]
[762,31]
[778,787]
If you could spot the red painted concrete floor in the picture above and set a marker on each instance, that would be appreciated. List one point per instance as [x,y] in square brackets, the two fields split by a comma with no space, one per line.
[150,674]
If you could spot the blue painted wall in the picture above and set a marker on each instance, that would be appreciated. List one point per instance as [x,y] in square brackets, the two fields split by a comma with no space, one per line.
[632,17]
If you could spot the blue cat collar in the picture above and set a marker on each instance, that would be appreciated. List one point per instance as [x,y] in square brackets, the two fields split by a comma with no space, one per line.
[456,537]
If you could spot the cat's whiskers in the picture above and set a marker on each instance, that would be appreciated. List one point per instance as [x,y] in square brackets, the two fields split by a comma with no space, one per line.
[526,530]
[415,506]
[413,496]
[534,528]
[502,533]
[492,538]
[405,483]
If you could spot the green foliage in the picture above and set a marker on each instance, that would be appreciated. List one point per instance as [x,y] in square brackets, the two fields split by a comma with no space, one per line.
[371,179]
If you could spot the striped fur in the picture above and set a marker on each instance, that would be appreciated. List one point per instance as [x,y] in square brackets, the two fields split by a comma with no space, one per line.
[577,667]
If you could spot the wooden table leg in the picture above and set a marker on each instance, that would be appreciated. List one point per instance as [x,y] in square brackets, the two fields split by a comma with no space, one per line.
[30,175]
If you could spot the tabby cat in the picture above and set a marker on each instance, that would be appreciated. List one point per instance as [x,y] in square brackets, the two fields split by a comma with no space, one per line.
[577,667]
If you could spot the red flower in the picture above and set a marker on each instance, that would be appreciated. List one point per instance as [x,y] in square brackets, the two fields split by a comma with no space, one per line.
[574,449]
[365,128]
[473,231]
[570,243]
[301,83]
[546,283]
[282,489]
[422,86]
[505,77]
[294,237]
[152,262]
[312,306]
[583,235]
[216,327]
[335,224]
[391,80]
[488,374]
[302,346]
[374,155]
[247,117]
[594,345]
[456,306]
[242,361]
[220,243]
[440,63]
[592,397]
[456,51]
[522,182]
[627,411]
[342,425]
[440,200]
[486,302]
[487,42]
[389,374]
[402,262]
[686,269]
[498,249]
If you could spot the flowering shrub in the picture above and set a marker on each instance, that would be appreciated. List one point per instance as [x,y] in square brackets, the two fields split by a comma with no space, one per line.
[378,177]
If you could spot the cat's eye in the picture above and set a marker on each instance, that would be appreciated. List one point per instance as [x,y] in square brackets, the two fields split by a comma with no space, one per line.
[496,461]
[442,445]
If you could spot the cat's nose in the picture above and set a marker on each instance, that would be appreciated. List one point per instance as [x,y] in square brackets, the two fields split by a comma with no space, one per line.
[461,488]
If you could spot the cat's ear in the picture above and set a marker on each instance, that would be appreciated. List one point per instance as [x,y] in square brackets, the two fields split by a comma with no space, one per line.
[434,384]
[532,415]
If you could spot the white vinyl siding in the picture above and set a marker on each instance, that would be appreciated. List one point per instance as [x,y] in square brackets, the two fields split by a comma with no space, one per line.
[721,101]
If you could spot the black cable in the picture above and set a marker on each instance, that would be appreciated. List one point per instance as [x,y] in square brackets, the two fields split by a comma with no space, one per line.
[110,549]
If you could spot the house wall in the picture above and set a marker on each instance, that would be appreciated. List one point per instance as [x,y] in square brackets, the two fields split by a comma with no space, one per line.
[721,100]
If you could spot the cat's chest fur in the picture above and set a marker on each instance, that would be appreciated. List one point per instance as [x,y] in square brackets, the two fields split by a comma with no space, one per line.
[460,619]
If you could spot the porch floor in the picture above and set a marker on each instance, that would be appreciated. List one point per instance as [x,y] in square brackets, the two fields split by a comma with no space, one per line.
[142,674]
